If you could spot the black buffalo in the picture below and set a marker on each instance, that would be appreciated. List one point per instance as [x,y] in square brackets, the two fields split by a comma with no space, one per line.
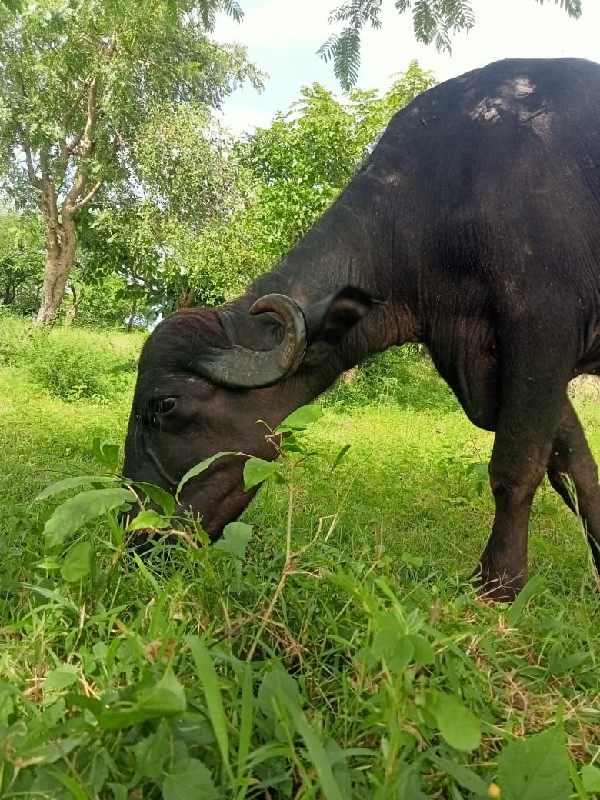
[476,220]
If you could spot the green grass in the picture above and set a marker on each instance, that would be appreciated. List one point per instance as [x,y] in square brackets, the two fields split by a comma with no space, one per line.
[356,663]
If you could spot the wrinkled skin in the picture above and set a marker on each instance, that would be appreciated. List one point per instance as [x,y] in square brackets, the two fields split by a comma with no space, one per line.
[477,220]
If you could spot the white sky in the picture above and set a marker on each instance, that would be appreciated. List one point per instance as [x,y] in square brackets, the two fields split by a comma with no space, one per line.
[283,36]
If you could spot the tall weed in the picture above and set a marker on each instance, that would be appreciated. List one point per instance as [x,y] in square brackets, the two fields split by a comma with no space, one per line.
[70,363]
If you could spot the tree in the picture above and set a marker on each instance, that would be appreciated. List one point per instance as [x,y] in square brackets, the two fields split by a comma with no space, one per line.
[307,156]
[434,21]
[186,182]
[214,215]
[79,80]
[21,260]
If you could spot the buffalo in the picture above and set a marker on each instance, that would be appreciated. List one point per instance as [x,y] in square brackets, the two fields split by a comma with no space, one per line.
[474,228]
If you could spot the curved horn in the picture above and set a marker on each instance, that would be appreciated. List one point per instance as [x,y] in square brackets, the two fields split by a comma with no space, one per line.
[241,368]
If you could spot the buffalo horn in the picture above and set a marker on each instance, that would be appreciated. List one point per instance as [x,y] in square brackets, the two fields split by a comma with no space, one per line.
[241,368]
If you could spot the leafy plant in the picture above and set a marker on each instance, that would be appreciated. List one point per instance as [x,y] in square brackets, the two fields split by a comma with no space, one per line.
[324,646]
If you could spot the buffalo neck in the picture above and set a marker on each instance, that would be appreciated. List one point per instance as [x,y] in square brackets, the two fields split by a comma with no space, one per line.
[353,244]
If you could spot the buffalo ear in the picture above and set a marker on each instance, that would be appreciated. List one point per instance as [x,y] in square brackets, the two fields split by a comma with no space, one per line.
[330,319]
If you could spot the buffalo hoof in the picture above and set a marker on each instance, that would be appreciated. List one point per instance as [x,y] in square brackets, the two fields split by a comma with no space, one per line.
[497,588]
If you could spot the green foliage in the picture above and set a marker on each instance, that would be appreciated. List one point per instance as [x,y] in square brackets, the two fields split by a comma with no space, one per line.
[397,376]
[53,53]
[184,160]
[536,768]
[72,367]
[21,261]
[15,339]
[80,82]
[69,365]
[308,155]
[434,21]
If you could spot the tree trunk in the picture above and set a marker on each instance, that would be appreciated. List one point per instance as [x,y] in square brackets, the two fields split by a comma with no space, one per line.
[74,308]
[60,258]
[186,297]
[131,319]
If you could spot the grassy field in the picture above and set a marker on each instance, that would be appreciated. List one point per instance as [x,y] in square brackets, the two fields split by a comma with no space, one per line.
[332,647]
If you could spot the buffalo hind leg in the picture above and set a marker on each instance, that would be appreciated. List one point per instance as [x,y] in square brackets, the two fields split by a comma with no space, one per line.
[571,458]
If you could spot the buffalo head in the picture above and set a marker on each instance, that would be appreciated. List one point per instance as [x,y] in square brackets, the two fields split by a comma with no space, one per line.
[208,380]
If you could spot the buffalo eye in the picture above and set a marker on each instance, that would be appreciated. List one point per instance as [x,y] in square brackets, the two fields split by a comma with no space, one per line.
[162,406]
[165,404]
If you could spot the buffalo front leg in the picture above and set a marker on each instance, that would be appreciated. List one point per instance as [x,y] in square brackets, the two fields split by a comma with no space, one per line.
[571,458]
[533,393]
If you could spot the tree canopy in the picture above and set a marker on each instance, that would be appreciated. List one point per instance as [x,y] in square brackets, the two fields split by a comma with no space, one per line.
[434,22]
[205,214]
[79,82]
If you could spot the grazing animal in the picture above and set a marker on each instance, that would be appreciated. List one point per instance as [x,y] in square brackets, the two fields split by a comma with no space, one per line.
[476,220]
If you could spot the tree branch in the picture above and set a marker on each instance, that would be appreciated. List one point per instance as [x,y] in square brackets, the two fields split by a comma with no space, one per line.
[92,118]
[34,179]
[71,202]
[48,188]
[89,196]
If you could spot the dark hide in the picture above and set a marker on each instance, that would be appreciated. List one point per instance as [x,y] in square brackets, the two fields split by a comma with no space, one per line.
[477,220]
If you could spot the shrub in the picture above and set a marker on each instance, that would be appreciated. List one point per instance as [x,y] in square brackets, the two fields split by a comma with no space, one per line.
[70,363]
[75,364]
[393,377]
[15,339]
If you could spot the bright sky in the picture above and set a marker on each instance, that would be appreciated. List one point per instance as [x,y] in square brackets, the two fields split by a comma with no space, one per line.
[283,36]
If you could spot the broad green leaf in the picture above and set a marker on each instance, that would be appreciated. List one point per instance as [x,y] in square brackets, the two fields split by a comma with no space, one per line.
[49,563]
[189,779]
[412,561]
[399,649]
[106,453]
[74,787]
[424,652]
[78,510]
[300,419]
[120,792]
[535,768]
[590,777]
[56,750]
[235,539]
[148,519]
[273,683]
[61,677]
[78,562]
[339,765]
[152,752]
[201,467]
[7,705]
[207,675]
[73,483]
[459,726]
[96,771]
[159,496]
[164,699]
[395,649]
[81,701]
[256,470]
